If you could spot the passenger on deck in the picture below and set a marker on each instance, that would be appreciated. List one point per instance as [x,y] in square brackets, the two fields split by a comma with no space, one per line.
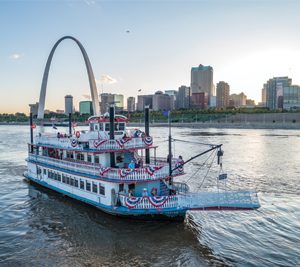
[179,160]
[145,192]
[131,165]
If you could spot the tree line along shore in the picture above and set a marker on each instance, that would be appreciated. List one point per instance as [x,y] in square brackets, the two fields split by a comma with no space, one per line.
[215,117]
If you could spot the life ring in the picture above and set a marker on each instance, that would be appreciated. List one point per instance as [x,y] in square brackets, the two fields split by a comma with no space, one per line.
[154,191]
[77,134]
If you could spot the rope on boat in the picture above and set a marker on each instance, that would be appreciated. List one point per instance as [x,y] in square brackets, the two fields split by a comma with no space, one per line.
[192,142]
[211,163]
[202,165]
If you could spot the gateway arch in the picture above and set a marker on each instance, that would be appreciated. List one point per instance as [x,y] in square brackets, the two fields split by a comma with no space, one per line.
[94,92]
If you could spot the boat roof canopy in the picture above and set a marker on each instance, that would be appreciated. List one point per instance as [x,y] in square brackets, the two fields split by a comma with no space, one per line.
[105,118]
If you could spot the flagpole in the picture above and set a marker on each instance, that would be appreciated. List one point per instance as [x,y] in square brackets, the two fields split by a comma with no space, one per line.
[31,132]
[170,149]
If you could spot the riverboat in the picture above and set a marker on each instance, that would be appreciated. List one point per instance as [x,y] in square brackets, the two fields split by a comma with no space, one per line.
[116,170]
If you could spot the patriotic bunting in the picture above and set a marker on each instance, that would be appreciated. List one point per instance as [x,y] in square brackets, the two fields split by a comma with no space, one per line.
[124,172]
[98,143]
[103,170]
[156,202]
[150,170]
[73,142]
[148,140]
[122,141]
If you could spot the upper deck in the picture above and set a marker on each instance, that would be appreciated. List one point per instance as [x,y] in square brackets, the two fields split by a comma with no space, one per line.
[97,138]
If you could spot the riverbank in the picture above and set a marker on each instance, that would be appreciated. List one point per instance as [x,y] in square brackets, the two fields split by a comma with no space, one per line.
[199,125]
[220,125]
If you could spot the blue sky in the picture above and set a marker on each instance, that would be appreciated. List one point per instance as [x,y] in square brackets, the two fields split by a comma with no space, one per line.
[246,42]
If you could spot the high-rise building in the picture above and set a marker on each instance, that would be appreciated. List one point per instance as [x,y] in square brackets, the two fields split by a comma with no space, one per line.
[162,101]
[202,80]
[274,91]
[199,100]
[68,104]
[223,92]
[107,99]
[237,100]
[264,95]
[144,100]
[119,102]
[183,97]
[86,107]
[291,97]
[131,104]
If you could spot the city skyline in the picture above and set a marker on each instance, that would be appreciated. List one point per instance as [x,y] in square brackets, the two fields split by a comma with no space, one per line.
[147,46]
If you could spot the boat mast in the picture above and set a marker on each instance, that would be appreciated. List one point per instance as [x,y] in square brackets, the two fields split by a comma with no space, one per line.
[70,124]
[170,149]
[112,133]
[147,151]
[31,133]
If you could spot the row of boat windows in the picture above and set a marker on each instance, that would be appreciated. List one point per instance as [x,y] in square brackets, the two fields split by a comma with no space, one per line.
[80,156]
[83,184]
[100,126]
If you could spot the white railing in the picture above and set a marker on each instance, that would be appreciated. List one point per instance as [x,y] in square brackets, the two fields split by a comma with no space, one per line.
[201,200]
[147,172]
[149,202]
[230,199]
[98,144]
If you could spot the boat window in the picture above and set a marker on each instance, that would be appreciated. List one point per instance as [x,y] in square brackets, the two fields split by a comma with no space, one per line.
[101,189]
[81,184]
[91,126]
[63,178]
[59,177]
[89,158]
[96,127]
[106,127]
[72,181]
[39,170]
[75,182]
[116,127]
[67,180]
[78,156]
[100,126]
[96,158]
[95,188]
[45,171]
[121,187]
[88,186]
[55,176]
[121,126]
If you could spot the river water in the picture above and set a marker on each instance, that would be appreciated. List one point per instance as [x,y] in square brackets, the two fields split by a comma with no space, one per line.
[51,230]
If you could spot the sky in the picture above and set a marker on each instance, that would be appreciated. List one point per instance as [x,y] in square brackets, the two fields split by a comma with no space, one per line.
[143,45]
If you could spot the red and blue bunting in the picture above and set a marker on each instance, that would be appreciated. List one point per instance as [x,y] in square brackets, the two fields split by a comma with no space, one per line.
[156,202]
[98,143]
[103,170]
[151,170]
[180,168]
[122,141]
[124,172]
[132,202]
[73,142]
[148,140]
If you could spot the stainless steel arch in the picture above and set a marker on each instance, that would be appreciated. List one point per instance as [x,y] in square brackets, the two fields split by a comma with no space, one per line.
[89,69]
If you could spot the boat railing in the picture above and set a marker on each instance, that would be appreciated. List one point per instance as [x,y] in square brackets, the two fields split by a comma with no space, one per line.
[219,199]
[97,144]
[147,202]
[145,173]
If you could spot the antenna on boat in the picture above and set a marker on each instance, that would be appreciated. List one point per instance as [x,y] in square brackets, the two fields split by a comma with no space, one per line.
[31,133]
[147,151]
[70,124]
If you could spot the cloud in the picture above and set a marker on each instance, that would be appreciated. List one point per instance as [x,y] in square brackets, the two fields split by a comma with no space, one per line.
[106,79]
[15,56]
[87,97]
[89,2]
